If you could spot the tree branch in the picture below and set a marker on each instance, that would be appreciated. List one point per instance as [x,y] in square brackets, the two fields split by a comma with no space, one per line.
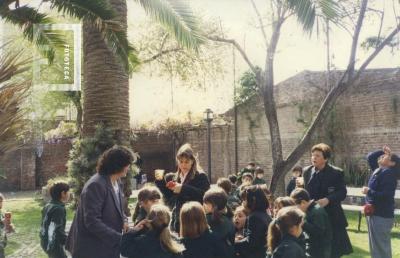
[350,67]
[331,98]
[161,53]
[238,47]
[377,50]
[262,28]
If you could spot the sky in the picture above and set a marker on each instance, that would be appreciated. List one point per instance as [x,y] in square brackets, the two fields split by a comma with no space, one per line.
[296,52]
[153,99]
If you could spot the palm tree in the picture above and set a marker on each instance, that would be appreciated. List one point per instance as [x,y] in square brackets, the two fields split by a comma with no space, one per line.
[108,56]
[106,85]
[13,92]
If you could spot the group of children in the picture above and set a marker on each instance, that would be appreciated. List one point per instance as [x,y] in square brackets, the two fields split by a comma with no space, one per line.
[232,221]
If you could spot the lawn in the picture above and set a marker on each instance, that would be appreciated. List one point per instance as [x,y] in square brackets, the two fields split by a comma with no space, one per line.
[27,214]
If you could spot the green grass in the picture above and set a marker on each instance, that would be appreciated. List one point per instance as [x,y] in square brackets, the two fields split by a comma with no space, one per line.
[27,217]
[359,240]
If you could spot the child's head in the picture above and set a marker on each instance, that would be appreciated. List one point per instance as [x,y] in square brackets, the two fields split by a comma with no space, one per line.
[297,171]
[301,197]
[251,165]
[1,200]
[159,218]
[254,199]
[282,202]
[289,220]
[187,160]
[59,191]
[193,222]
[239,217]
[169,177]
[389,160]
[225,184]
[233,179]
[259,172]
[214,201]
[148,196]
[247,178]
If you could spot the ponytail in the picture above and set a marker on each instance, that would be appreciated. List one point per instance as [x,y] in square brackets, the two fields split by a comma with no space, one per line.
[168,243]
[274,236]
[287,218]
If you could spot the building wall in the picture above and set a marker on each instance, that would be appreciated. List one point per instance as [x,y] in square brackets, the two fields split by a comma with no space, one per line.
[365,119]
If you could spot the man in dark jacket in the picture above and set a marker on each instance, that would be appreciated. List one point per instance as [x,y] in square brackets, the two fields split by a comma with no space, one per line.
[325,184]
[99,220]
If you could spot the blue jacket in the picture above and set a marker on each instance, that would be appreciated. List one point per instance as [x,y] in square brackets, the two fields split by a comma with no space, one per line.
[382,187]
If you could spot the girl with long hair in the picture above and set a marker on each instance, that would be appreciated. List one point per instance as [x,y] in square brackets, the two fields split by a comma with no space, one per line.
[154,242]
[190,182]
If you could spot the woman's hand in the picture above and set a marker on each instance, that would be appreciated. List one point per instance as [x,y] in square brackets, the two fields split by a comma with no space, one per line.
[177,188]
[365,190]
[159,174]
[323,202]
[386,149]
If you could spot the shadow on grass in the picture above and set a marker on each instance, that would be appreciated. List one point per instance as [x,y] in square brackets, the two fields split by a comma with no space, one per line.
[358,253]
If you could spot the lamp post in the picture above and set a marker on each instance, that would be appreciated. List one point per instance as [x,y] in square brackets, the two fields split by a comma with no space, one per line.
[208,117]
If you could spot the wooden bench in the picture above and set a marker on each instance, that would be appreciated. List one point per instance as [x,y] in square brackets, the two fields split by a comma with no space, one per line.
[359,209]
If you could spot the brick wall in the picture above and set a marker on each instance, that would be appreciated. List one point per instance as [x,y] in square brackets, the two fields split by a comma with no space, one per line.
[365,118]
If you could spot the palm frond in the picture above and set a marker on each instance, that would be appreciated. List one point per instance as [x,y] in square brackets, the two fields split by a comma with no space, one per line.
[26,18]
[12,94]
[178,18]
[103,17]
[307,11]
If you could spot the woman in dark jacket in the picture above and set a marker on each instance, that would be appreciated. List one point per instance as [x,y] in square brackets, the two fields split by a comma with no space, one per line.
[190,183]
[380,193]
[151,238]
[325,184]
[195,234]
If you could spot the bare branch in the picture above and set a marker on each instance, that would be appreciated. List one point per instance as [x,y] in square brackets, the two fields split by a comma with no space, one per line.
[262,27]
[350,67]
[377,50]
[161,53]
[238,47]
[331,98]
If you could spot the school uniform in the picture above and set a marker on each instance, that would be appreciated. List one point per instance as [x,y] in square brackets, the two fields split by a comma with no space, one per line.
[329,183]
[289,247]
[382,187]
[194,185]
[255,232]
[206,245]
[52,230]
[318,228]
[225,232]
[145,244]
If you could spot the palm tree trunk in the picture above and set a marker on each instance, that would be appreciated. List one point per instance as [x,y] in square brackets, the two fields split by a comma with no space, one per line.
[106,84]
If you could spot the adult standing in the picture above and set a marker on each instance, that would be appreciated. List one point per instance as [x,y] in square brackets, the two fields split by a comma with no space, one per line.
[189,183]
[325,184]
[97,227]
[380,194]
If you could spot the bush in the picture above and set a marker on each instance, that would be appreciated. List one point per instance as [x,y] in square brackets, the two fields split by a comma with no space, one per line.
[83,158]
[63,130]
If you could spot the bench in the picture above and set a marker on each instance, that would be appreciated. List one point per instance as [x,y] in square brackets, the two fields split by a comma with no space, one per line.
[359,209]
